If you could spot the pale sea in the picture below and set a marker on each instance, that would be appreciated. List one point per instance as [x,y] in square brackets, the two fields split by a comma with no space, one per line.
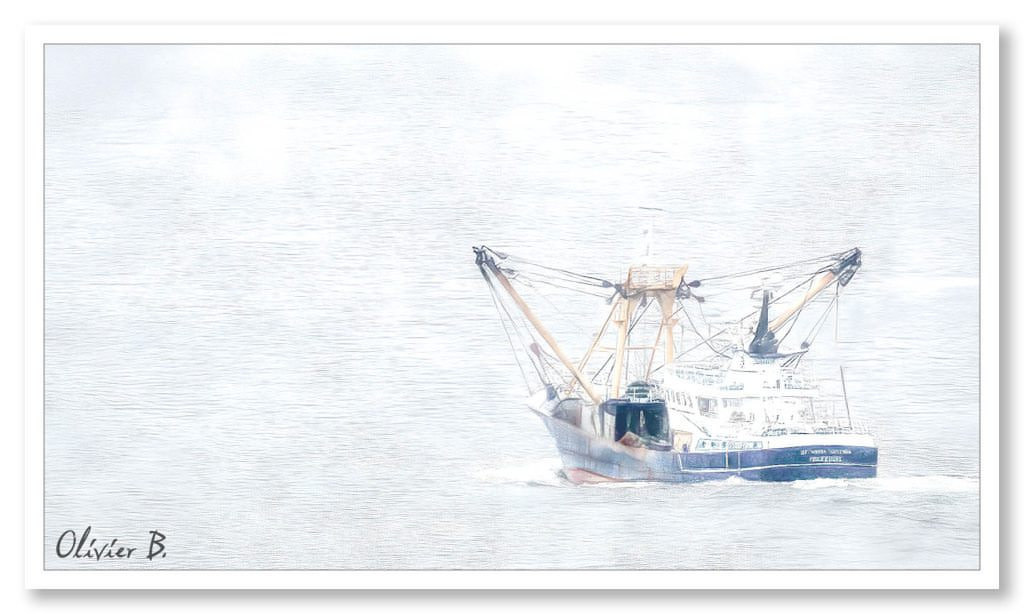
[266,338]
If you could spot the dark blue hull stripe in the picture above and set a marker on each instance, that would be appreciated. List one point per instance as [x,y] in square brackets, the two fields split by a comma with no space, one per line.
[582,451]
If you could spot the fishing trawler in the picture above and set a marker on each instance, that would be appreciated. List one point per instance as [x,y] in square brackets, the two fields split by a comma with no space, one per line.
[651,412]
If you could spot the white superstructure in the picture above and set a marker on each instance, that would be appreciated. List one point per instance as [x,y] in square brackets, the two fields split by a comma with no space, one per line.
[745,398]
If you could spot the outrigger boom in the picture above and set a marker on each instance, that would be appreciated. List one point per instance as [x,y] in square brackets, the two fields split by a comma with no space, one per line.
[484,259]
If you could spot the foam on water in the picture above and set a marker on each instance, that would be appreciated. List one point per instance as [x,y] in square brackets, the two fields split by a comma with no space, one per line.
[924,483]
[916,484]
[540,472]
[548,472]
[820,483]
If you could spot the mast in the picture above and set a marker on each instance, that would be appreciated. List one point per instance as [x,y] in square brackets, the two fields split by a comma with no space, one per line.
[846,400]
[646,282]
[484,259]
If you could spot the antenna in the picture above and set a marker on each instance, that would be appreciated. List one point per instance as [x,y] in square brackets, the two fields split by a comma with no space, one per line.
[836,333]
[649,232]
[842,376]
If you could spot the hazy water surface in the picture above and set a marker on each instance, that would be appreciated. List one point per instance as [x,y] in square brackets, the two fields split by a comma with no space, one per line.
[266,338]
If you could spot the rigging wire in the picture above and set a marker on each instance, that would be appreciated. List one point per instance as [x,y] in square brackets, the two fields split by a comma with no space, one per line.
[775,298]
[704,340]
[540,359]
[821,320]
[707,340]
[561,279]
[508,335]
[773,268]
[519,276]
[545,361]
[611,356]
[496,297]
[589,279]
[792,324]
[700,307]
[594,281]
[570,278]
[564,318]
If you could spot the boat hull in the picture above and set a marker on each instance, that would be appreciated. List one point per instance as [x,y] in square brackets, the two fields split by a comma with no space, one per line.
[587,459]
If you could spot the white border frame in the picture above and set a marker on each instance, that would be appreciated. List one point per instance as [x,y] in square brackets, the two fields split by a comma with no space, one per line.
[986,577]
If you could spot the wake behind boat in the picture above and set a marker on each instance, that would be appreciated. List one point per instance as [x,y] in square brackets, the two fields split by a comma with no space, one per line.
[745,409]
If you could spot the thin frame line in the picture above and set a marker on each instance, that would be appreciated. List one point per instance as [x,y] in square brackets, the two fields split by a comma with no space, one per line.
[602,44]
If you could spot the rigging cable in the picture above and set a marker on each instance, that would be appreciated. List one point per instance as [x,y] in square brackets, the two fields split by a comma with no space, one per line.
[566,276]
[564,318]
[707,340]
[508,335]
[495,297]
[583,278]
[792,324]
[818,325]
[682,307]
[540,359]
[561,276]
[770,269]
[611,356]
[519,275]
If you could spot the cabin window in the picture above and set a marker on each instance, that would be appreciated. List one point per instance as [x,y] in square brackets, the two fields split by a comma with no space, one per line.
[707,407]
[646,420]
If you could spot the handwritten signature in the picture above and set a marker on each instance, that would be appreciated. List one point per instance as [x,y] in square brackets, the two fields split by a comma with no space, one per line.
[72,545]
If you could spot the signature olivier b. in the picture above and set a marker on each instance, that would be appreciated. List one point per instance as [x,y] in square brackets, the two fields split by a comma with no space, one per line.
[72,545]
